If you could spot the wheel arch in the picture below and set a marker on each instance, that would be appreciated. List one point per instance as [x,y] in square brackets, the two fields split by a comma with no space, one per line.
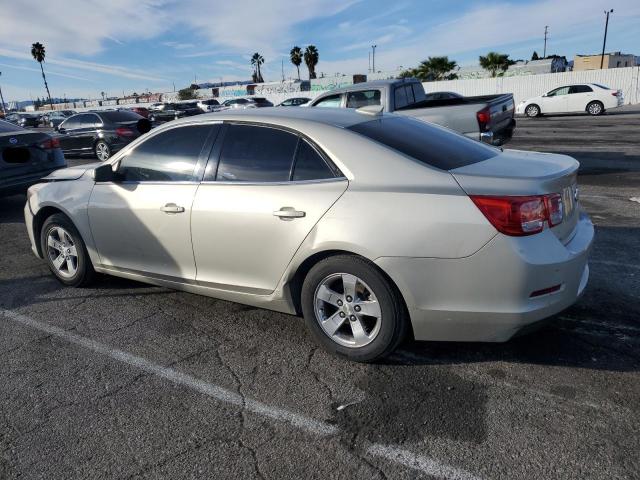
[38,221]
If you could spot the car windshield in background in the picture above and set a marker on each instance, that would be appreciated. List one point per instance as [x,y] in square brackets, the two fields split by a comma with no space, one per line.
[262,101]
[429,144]
[120,116]
[8,127]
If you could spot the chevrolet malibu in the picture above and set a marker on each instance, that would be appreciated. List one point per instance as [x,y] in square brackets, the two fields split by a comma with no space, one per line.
[374,227]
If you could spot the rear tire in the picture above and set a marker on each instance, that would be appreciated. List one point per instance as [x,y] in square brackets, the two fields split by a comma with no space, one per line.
[532,110]
[595,108]
[349,296]
[65,252]
[102,150]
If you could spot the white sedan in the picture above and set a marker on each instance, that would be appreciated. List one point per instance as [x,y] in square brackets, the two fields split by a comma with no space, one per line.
[592,98]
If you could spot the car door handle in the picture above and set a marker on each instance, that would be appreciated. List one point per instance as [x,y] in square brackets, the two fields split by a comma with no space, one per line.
[172,208]
[289,213]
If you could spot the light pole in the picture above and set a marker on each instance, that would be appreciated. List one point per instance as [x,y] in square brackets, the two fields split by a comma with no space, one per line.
[373,59]
[604,43]
[2,99]
[544,53]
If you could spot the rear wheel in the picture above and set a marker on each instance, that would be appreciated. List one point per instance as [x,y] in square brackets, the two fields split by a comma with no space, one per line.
[532,110]
[352,309]
[595,108]
[102,150]
[65,251]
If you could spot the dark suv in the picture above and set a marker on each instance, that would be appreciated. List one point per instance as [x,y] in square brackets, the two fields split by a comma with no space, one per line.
[100,133]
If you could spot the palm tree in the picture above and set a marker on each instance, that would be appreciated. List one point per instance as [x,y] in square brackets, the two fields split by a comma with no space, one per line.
[296,58]
[432,69]
[103,94]
[256,61]
[37,52]
[495,61]
[311,57]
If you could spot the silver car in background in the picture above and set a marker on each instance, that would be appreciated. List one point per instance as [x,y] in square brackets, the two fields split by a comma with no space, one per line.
[374,227]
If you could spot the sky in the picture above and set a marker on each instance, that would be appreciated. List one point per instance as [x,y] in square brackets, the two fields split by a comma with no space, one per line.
[126,46]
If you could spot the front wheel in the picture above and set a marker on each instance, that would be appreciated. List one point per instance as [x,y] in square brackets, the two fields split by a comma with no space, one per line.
[532,111]
[353,309]
[595,108]
[102,150]
[65,251]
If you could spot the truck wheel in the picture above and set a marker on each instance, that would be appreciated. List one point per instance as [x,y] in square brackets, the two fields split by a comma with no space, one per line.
[532,110]
[595,108]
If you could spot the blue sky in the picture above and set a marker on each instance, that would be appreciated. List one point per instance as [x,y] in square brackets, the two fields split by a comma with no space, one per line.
[135,45]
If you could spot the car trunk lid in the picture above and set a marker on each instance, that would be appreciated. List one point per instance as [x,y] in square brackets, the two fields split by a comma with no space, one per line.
[520,173]
[23,152]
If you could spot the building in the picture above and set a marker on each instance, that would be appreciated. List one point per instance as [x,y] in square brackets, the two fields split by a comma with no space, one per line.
[611,60]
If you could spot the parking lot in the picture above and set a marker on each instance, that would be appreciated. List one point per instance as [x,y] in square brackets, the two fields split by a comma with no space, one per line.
[125,380]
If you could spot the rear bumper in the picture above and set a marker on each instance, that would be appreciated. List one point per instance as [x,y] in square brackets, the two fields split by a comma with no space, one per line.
[487,297]
[501,136]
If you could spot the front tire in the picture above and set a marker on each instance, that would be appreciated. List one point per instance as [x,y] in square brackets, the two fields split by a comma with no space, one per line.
[102,150]
[532,110]
[595,108]
[65,251]
[352,309]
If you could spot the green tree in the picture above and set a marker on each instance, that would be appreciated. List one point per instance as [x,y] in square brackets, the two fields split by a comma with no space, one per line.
[257,60]
[535,56]
[432,69]
[38,54]
[311,57]
[495,62]
[187,94]
[296,58]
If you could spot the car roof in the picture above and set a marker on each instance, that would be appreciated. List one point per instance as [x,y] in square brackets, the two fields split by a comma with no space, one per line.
[339,117]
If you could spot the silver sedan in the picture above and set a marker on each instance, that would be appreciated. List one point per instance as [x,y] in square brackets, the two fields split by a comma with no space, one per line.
[374,227]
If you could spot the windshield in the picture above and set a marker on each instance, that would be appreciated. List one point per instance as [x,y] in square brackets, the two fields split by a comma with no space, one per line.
[427,143]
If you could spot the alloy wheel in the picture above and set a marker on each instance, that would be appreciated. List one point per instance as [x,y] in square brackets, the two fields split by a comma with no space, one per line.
[62,252]
[532,111]
[102,151]
[347,310]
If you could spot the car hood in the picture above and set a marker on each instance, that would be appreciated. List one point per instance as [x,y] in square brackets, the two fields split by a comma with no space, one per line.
[71,173]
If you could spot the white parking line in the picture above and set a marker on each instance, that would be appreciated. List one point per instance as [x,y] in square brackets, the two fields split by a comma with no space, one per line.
[318,427]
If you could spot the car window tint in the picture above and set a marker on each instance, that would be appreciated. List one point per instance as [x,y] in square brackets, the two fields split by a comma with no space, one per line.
[558,91]
[330,101]
[580,89]
[170,156]
[400,96]
[256,154]
[425,142]
[418,92]
[310,165]
[71,122]
[362,99]
[121,116]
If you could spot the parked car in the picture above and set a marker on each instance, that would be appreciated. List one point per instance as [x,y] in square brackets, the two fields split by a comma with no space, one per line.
[173,111]
[55,118]
[249,102]
[142,111]
[208,105]
[369,225]
[488,118]
[593,98]
[23,119]
[100,133]
[25,157]
[294,102]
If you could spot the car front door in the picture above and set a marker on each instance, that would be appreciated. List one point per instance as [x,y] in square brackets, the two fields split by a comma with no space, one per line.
[579,97]
[256,206]
[141,222]
[556,101]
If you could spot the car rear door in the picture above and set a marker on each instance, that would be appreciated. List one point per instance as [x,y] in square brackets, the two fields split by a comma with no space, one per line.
[264,190]
[579,97]
[141,222]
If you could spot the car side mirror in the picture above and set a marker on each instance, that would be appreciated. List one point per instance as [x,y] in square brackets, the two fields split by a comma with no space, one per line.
[60,129]
[104,173]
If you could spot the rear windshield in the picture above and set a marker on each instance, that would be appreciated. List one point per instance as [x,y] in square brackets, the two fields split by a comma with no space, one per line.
[8,127]
[120,116]
[429,144]
[602,86]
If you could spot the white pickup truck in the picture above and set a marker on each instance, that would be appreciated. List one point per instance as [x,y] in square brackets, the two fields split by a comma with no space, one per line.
[488,118]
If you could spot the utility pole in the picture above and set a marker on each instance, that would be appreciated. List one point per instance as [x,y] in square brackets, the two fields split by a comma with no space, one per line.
[2,99]
[282,66]
[373,59]
[544,53]
[369,62]
[604,43]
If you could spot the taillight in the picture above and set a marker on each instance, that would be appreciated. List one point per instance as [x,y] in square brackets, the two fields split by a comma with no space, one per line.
[484,117]
[124,132]
[50,144]
[615,94]
[519,216]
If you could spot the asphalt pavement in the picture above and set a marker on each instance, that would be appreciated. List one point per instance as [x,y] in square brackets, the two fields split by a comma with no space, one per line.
[125,380]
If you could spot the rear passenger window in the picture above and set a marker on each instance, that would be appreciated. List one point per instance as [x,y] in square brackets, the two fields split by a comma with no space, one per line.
[170,156]
[401,98]
[363,99]
[580,89]
[310,165]
[256,154]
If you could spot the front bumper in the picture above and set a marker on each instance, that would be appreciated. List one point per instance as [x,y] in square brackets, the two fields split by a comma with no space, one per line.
[487,297]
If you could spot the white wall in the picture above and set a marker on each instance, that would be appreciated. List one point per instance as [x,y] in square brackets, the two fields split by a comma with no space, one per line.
[625,79]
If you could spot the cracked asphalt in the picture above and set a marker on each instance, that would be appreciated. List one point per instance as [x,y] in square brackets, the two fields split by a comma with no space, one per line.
[125,380]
